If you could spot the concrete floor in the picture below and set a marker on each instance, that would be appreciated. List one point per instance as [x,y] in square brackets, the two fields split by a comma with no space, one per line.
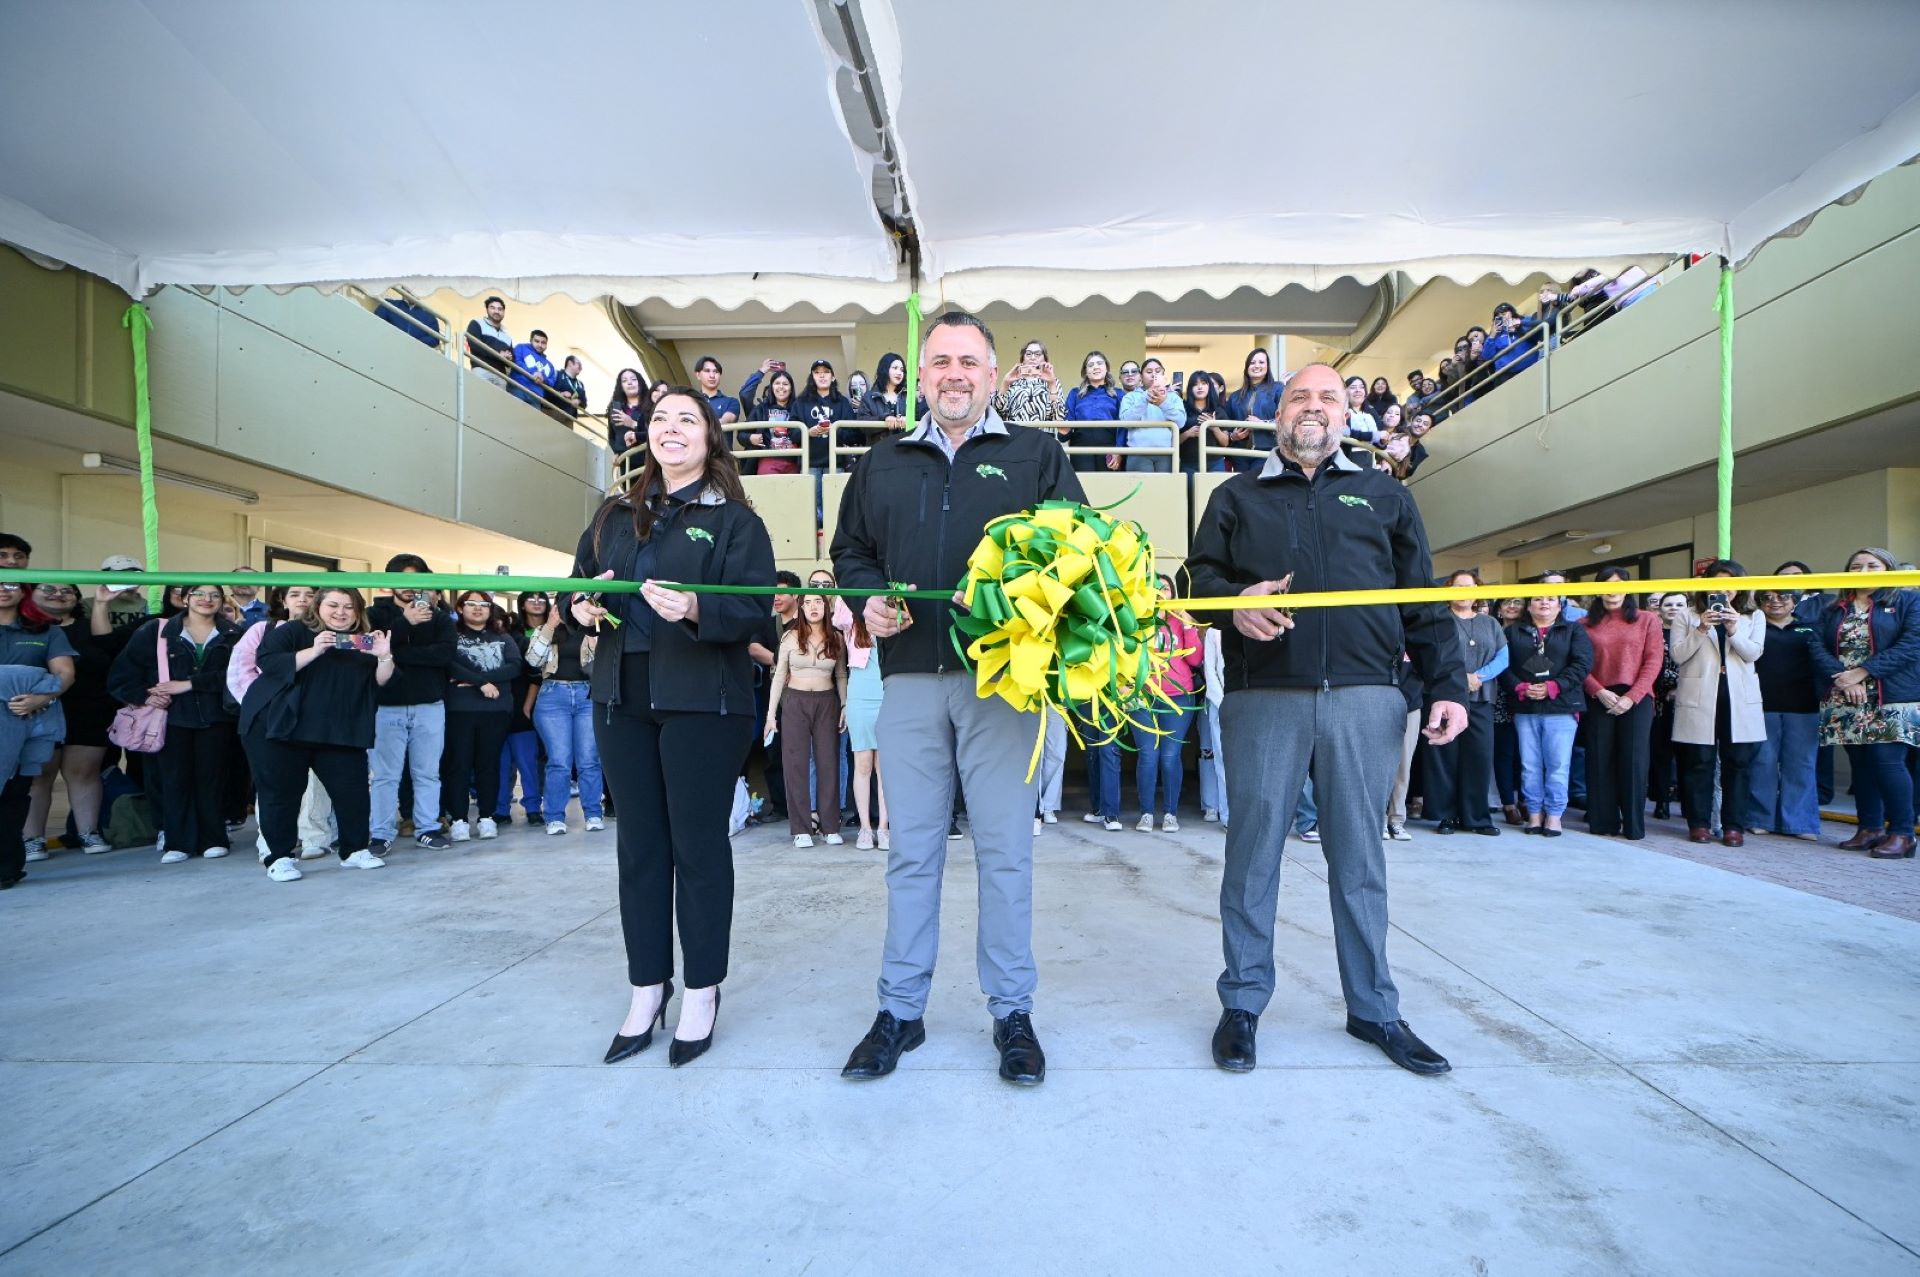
[1660,1067]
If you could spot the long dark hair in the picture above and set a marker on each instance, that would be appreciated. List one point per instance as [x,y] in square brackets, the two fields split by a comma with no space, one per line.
[766,394]
[620,401]
[1247,383]
[722,472]
[879,384]
[1597,612]
[1738,600]
[831,646]
[1201,379]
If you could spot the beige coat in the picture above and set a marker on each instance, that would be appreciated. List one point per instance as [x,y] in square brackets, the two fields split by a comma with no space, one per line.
[1696,654]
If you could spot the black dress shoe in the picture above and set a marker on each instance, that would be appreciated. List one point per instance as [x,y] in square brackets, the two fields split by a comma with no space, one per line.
[624,1048]
[680,1051]
[1445,827]
[1233,1040]
[1486,831]
[1021,1059]
[885,1043]
[1398,1043]
[1662,812]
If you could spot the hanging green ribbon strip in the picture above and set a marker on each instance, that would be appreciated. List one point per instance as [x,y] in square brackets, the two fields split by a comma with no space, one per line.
[1723,305]
[138,322]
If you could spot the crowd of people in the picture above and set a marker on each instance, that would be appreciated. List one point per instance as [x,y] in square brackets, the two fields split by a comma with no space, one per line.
[521,368]
[342,719]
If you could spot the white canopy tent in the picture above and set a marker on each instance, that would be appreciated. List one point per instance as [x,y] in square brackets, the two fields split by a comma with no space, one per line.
[709,152]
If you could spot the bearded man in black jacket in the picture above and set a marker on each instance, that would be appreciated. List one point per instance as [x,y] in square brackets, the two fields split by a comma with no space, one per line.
[1319,692]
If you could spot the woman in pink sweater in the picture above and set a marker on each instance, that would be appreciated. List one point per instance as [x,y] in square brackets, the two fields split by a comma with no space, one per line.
[1160,733]
[1628,646]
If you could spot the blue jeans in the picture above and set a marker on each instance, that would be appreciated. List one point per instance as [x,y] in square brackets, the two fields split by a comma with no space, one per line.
[410,738]
[522,754]
[813,777]
[1140,463]
[1546,754]
[1780,785]
[1306,813]
[1882,787]
[1156,771]
[563,715]
[1213,784]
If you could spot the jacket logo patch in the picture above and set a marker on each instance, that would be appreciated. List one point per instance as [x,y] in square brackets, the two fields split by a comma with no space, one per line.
[984,471]
[700,534]
[1345,500]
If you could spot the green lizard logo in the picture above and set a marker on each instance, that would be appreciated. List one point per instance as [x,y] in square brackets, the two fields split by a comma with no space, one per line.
[983,471]
[700,534]
[1356,501]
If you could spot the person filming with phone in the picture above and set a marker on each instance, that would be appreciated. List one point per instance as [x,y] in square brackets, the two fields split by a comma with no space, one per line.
[1719,718]
[312,709]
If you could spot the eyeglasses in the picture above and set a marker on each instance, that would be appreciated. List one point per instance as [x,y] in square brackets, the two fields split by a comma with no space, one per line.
[214,595]
[1127,368]
[59,592]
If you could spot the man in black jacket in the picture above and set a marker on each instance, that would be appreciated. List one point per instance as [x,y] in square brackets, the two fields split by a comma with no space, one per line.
[410,725]
[913,512]
[1320,692]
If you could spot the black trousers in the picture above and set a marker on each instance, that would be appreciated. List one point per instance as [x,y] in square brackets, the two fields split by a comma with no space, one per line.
[470,760]
[673,775]
[193,772]
[1617,750]
[280,777]
[1661,772]
[238,789]
[1696,772]
[771,759]
[1459,773]
[1506,762]
[15,797]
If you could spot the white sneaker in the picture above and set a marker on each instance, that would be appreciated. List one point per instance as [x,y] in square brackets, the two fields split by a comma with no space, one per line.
[172,857]
[313,853]
[284,870]
[1209,816]
[36,849]
[93,844]
[1092,818]
[1310,834]
[595,824]
[363,859]
[865,842]
[486,828]
[160,840]
[1113,826]
[835,840]
[884,838]
[803,840]
[1398,832]
[1145,823]
[460,832]
[1169,825]
[556,827]
[1051,817]
[1037,826]
[262,852]
[214,853]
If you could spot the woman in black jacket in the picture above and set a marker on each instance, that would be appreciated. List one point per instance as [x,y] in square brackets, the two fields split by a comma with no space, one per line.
[824,410]
[886,401]
[312,710]
[1548,658]
[192,764]
[672,686]
[479,712]
[778,408]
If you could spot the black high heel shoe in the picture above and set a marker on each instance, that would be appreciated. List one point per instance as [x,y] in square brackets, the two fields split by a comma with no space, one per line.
[625,1048]
[679,1052]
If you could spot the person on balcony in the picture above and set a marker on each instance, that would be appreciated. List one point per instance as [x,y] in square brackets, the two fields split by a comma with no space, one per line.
[1873,707]
[1094,399]
[1514,345]
[568,390]
[1032,394]
[627,411]
[782,430]
[706,373]
[886,400]
[532,370]
[488,345]
[1257,401]
[1154,402]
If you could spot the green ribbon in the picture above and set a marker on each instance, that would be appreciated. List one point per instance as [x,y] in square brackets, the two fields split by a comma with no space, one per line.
[138,322]
[1723,306]
[489,582]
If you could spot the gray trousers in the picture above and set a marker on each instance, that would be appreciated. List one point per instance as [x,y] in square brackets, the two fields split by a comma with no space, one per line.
[933,731]
[1350,736]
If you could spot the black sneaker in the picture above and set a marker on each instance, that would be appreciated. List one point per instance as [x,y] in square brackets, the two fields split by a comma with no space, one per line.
[953,829]
[433,838]
[378,846]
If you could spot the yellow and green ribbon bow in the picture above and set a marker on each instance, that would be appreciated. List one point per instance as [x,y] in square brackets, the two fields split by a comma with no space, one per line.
[1062,610]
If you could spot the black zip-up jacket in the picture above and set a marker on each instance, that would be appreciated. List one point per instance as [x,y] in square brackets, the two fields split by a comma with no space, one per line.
[909,516]
[704,667]
[1569,654]
[138,667]
[811,408]
[1350,527]
[422,654]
